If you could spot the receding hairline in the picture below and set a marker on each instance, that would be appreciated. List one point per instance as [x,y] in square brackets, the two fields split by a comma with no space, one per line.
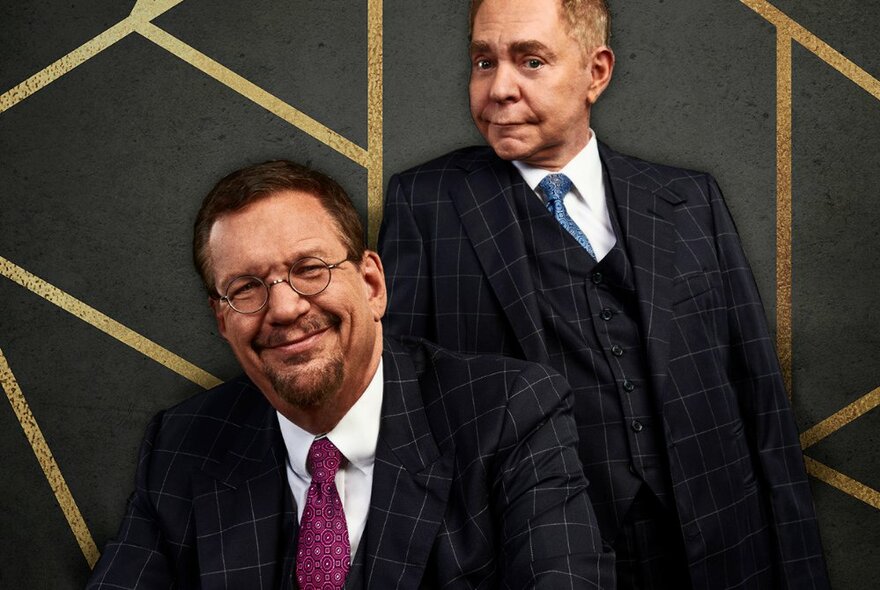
[261,197]
[593,34]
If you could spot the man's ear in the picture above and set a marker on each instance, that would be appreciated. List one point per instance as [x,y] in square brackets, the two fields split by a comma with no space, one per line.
[217,308]
[601,65]
[374,283]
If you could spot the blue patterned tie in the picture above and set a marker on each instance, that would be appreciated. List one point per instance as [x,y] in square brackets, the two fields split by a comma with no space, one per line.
[555,187]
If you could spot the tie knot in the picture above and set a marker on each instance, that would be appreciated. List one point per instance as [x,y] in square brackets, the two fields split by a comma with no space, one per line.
[323,460]
[555,186]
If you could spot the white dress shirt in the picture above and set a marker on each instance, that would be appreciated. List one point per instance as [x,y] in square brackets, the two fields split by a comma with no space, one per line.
[355,436]
[585,203]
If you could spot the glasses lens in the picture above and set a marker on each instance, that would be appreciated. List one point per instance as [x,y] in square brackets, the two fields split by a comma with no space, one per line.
[309,276]
[247,294]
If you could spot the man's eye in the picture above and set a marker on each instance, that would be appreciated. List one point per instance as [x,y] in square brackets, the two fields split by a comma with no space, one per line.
[482,64]
[243,288]
[534,64]
[309,271]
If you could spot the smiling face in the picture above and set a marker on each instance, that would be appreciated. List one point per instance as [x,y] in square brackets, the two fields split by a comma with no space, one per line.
[532,85]
[312,357]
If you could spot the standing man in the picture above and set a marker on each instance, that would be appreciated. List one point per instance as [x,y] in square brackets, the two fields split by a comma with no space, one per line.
[344,459]
[627,277]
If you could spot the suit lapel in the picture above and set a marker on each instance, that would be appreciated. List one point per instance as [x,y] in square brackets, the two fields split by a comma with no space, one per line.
[646,212]
[411,482]
[244,517]
[485,206]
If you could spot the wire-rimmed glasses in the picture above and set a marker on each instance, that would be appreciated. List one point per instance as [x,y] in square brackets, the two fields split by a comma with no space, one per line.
[307,276]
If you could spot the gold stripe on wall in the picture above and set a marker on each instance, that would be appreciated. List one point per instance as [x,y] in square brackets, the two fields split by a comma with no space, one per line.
[47,463]
[106,324]
[62,66]
[842,482]
[841,418]
[783,205]
[251,91]
[816,45]
[788,31]
[375,148]
[143,11]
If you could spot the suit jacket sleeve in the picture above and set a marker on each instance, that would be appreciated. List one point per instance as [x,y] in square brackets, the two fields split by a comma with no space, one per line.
[550,537]
[407,272]
[137,557]
[755,375]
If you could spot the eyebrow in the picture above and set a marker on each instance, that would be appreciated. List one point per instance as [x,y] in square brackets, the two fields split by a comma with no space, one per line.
[224,280]
[516,47]
[478,47]
[530,46]
[262,270]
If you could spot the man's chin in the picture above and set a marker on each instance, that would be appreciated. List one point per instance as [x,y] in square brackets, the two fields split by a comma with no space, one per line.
[306,384]
[509,148]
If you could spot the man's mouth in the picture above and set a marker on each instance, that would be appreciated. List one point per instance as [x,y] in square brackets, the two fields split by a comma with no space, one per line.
[289,342]
[294,346]
[505,123]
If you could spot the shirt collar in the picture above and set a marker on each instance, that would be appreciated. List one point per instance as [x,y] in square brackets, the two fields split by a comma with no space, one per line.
[584,171]
[355,435]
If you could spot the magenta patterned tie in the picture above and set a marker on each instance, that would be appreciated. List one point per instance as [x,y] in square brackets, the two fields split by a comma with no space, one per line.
[323,554]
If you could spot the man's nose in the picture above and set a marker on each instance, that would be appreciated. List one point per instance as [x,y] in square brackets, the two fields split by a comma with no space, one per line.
[504,86]
[284,303]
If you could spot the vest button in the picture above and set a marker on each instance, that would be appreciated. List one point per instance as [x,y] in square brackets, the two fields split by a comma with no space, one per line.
[616,350]
[637,426]
[606,314]
[597,278]
[628,386]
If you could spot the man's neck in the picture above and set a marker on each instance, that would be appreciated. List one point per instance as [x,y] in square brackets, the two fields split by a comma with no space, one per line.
[558,159]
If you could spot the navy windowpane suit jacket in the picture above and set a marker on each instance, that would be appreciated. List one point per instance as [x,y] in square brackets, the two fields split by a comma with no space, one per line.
[476,484]
[458,273]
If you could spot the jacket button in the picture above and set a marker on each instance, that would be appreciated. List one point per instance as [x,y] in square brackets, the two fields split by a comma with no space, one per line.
[628,386]
[637,426]
[616,350]
[606,314]
[597,278]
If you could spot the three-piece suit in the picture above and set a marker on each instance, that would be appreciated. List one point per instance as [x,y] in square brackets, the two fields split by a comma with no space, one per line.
[664,341]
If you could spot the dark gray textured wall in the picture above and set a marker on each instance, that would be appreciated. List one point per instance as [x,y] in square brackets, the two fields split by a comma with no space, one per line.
[102,170]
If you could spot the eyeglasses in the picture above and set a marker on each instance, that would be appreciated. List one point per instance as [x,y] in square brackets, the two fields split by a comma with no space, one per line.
[307,276]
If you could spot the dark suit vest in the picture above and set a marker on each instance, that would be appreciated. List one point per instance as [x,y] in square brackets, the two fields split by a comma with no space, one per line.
[590,316]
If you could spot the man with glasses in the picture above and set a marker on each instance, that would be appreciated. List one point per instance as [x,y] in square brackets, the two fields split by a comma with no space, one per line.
[342,458]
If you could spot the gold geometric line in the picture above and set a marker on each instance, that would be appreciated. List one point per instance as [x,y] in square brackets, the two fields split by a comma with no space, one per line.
[146,10]
[841,418]
[819,47]
[62,66]
[842,482]
[783,207]
[374,120]
[143,11]
[106,324]
[254,93]
[48,463]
